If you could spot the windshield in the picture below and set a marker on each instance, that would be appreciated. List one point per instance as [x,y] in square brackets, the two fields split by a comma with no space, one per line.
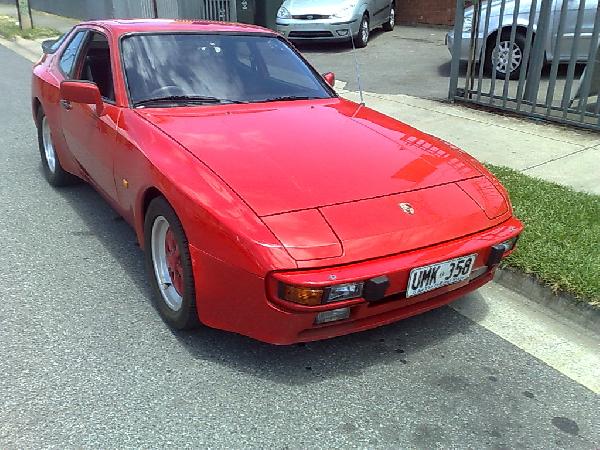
[215,68]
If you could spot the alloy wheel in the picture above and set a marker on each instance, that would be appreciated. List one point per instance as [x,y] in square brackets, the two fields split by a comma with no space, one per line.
[502,57]
[166,258]
[365,30]
[49,152]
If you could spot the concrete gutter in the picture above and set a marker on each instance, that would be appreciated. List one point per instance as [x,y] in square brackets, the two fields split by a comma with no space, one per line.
[562,303]
[29,49]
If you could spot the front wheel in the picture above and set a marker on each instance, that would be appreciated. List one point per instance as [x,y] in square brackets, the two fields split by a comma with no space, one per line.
[391,23]
[362,39]
[505,57]
[169,265]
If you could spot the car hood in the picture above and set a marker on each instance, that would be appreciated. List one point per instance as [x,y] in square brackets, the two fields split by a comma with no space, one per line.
[325,7]
[291,156]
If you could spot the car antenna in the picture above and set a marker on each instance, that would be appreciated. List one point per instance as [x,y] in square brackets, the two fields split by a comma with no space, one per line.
[357,67]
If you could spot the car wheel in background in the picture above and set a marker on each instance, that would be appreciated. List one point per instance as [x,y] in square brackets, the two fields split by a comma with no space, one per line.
[362,39]
[169,265]
[391,23]
[499,56]
[53,171]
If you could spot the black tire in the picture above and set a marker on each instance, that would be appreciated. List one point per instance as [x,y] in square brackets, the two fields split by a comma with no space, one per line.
[186,317]
[53,170]
[520,39]
[362,39]
[391,23]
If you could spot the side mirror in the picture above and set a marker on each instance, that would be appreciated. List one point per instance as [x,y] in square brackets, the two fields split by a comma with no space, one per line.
[47,46]
[82,92]
[330,78]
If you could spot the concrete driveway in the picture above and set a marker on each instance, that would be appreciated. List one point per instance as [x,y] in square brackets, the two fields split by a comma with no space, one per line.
[409,60]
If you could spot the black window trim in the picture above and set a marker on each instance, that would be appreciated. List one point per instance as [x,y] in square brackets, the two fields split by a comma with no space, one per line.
[75,32]
[88,32]
[85,46]
[124,36]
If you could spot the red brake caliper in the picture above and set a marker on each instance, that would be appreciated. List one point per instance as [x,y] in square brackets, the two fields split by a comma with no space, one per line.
[174,261]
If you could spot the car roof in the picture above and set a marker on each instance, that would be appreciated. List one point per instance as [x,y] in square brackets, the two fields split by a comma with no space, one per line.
[122,26]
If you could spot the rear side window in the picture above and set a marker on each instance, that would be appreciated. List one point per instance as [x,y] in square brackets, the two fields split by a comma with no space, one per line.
[69,56]
[54,47]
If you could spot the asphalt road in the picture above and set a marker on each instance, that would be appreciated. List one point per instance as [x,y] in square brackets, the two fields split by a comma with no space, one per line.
[85,361]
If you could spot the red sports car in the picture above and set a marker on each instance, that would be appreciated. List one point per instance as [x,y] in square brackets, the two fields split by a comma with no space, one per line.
[266,205]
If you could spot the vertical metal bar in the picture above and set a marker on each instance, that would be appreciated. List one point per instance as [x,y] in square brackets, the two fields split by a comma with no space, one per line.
[566,99]
[29,12]
[513,37]
[233,10]
[496,47]
[155,9]
[19,18]
[591,64]
[482,53]
[473,49]
[528,42]
[456,48]
[535,69]
[557,47]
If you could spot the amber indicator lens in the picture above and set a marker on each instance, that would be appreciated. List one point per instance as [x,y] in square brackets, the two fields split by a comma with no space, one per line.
[301,295]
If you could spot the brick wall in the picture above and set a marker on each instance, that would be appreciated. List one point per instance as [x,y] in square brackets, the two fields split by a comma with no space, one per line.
[433,12]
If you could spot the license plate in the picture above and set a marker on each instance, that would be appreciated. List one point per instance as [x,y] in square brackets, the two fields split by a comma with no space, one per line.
[435,276]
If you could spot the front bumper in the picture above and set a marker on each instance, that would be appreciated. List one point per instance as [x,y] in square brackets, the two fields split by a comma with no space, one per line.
[465,45]
[318,30]
[232,299]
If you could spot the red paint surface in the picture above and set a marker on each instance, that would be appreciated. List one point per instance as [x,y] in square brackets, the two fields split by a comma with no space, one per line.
[296,192]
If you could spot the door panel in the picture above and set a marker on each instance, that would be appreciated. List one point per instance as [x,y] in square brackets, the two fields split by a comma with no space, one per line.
[381,9]
[568,44]
[91,140]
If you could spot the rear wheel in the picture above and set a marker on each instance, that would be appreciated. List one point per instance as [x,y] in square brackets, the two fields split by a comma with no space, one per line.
[362,39]
[169,265]
[501,57]
[391,23]
[53,170]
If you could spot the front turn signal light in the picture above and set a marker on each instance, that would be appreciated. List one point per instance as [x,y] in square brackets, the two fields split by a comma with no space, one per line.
[301,295]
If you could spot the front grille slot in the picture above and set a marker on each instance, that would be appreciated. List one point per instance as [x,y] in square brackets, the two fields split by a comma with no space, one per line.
[311,34]
[311,17]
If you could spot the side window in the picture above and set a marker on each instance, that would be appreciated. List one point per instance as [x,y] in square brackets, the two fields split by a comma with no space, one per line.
[96,65]
[69,56]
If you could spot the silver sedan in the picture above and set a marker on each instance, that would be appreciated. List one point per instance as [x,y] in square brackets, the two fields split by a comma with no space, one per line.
[335,20]
[499,55]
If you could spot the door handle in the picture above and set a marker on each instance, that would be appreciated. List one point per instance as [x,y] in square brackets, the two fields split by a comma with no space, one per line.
[66,104]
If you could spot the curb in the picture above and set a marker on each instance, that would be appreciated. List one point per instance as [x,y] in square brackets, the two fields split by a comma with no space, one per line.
[562,303]
[23,47]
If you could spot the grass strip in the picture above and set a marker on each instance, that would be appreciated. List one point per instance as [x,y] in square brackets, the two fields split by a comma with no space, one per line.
[561,241]
[9,29]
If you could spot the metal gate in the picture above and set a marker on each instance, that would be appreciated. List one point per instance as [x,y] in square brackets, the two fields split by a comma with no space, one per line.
[220,10]
[538,58]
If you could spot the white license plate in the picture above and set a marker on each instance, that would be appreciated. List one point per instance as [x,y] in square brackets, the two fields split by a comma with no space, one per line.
[435,276]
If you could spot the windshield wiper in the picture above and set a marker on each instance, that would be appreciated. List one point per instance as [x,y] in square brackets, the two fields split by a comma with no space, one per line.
[185,100]
[287,98]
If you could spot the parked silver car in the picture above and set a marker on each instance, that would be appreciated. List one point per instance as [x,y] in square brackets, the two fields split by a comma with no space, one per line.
[334,20]
[499,55]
